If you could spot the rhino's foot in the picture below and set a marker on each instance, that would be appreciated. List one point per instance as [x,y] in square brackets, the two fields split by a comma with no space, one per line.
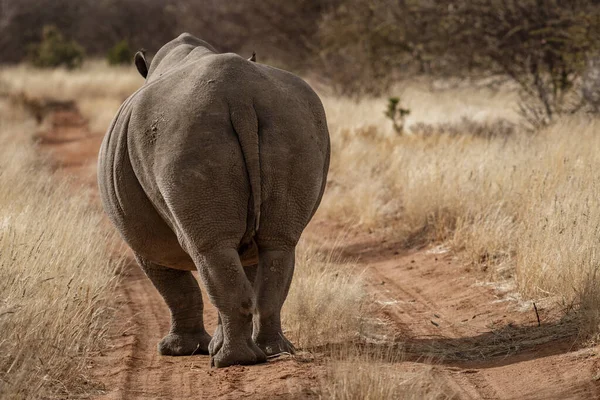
[240,354]
[184,344]
[225,353]
[275,345]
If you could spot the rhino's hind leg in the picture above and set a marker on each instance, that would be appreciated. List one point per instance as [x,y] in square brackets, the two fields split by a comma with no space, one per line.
[217,340]
[182,294]
[272,283]
[231,292]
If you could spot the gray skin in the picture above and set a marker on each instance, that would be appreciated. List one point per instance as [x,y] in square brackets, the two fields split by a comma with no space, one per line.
[216,164]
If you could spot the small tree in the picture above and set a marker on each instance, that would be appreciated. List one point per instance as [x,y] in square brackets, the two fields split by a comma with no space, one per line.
[396,114]
[54,50]
[120,54]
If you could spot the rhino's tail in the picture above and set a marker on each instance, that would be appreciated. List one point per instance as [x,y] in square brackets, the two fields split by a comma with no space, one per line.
[245,124]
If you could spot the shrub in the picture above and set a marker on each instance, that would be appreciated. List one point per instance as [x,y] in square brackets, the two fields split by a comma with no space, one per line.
[396,114]
[120,53]
[58,274]
[55,50]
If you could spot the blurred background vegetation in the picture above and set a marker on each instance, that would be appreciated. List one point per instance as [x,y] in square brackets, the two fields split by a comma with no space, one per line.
[547,48]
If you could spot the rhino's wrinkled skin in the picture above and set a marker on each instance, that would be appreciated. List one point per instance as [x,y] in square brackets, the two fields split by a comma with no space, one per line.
[214,161]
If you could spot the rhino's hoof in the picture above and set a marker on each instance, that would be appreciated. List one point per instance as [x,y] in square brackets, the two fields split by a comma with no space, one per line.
[184,344]
[238,355]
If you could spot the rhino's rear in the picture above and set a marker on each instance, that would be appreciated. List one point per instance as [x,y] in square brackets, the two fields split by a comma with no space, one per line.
[186,165]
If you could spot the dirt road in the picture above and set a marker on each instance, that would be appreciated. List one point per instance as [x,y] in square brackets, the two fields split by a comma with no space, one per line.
[481,340]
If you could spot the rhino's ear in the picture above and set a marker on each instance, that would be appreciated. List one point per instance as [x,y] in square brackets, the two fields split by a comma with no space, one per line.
[253,58]
[140,63]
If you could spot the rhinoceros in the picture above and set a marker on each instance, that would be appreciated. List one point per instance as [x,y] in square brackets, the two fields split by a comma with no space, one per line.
[216,164]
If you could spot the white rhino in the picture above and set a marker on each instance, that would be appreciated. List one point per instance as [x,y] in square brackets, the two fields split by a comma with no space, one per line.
[216,163]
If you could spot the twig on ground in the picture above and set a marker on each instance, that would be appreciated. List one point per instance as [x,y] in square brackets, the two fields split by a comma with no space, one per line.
[537,314]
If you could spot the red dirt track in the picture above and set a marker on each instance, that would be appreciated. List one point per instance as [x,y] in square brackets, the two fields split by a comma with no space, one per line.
[481,342]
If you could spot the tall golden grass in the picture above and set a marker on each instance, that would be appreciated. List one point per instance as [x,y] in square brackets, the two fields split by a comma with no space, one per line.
[374,377]
[56,271]
[327,302]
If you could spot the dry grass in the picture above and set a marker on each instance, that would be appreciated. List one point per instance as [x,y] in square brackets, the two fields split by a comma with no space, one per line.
[56,272]
[97,89]
[352,379]
[357,374]
[327,300]
[94,80]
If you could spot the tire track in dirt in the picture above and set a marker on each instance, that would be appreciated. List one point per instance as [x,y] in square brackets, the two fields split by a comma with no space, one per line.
[416,316]
[150,376]
[484,344]
[413,304]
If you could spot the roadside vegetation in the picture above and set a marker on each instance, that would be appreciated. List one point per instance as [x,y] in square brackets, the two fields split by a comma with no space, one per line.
[58,272]
[96,90]
[327,303]
[357,375]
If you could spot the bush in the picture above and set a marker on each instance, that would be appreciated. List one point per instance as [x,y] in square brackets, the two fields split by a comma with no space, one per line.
[396,114]
[120,54]
[54,50]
